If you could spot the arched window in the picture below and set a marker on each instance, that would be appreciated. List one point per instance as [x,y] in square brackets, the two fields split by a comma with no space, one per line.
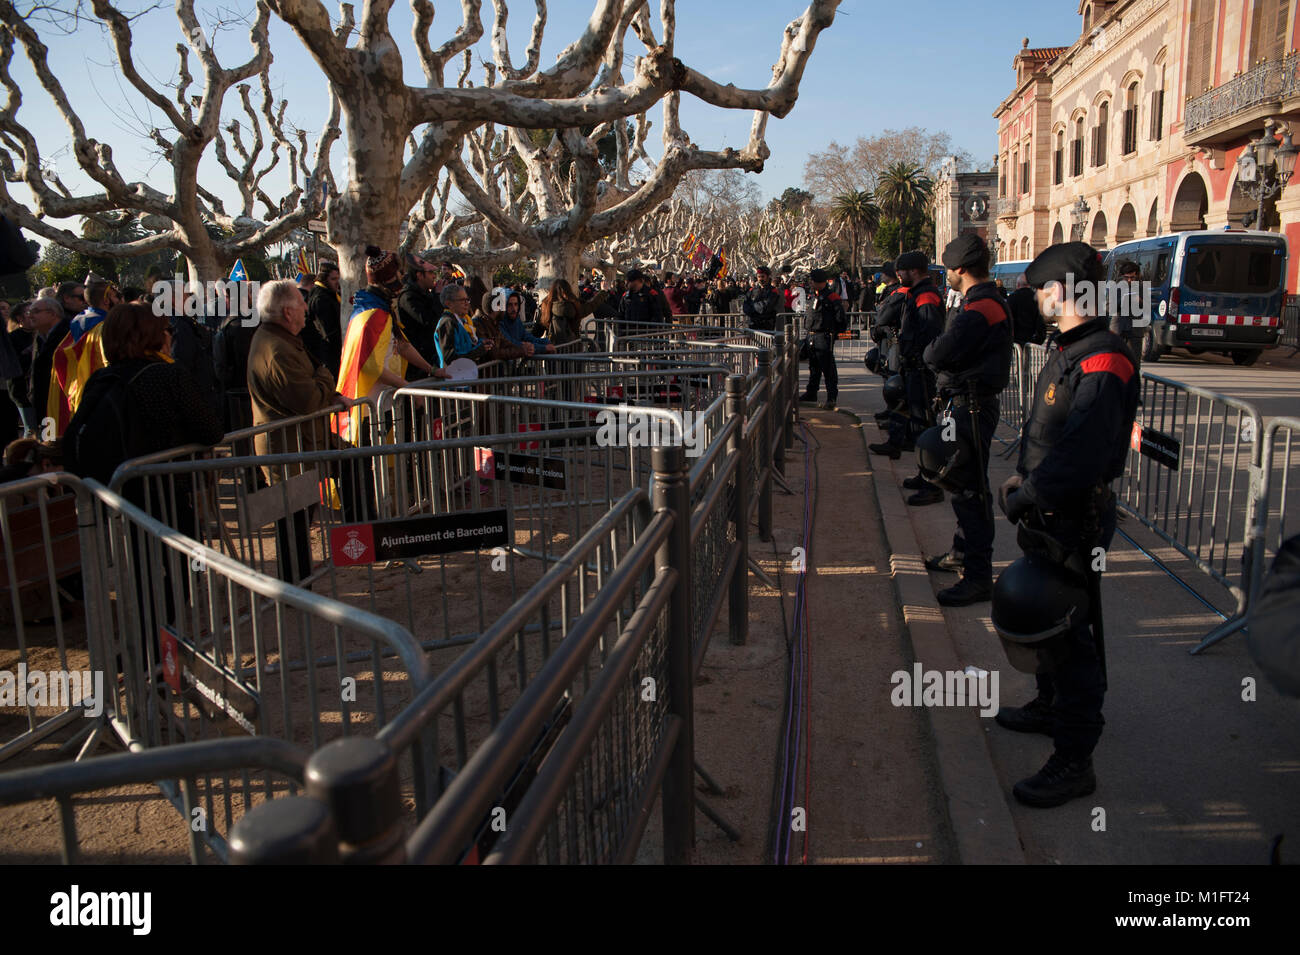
[1130,119]
[1058,159]
[1099,133]
[1076,160]
[1157,132]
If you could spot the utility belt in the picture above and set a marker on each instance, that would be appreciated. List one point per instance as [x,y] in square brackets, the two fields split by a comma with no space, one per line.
[963,400]
[1068,536]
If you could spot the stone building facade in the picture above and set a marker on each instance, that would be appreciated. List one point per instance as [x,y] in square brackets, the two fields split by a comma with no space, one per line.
[963,202]
[1135,129]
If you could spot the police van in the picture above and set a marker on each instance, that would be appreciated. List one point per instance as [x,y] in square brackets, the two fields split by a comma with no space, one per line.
[1008,272]
[1219,291]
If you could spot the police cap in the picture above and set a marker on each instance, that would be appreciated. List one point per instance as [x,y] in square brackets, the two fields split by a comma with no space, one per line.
[763,270]
[636,275]
[965,251]
[1077,260]
[819,275]
[913,260]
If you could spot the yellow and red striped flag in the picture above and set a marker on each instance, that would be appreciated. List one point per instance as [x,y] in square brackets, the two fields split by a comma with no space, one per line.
[367,351]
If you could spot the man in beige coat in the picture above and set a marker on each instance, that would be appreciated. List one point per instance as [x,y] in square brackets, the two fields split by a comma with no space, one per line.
[285,381]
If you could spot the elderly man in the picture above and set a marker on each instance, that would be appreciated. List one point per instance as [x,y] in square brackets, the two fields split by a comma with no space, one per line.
[287,381]
[50,325]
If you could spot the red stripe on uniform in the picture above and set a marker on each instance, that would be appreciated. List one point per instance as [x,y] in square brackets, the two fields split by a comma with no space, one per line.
[991,310]
[927,298]
[1113,362]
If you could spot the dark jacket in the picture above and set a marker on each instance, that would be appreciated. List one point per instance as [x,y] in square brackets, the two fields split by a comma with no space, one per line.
[418,312]
[975,347]
[566,318]
[891,308]
[646,306]
[286,381]
[323,333]
[923,321]
[826,313]
[43,364]
[1027,325]
[192,350]
[761,307]
[1078,431]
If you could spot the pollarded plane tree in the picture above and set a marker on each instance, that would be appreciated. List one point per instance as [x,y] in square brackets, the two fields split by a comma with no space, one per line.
[781,239]
[189,218]
[582,98]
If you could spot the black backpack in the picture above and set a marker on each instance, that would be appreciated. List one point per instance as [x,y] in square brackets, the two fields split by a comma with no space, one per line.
[107,428]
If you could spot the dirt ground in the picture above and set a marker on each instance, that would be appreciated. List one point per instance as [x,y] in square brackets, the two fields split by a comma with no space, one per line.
[864,780]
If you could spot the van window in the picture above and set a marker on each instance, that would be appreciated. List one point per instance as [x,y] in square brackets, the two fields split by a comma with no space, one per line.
[1161,268]
[1234,268]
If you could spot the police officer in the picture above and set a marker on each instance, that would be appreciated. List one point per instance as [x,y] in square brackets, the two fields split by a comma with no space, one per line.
[1074,445]
[641,305]
[890,301]
[763,302]
[826,320]
[918,312]
[971,361]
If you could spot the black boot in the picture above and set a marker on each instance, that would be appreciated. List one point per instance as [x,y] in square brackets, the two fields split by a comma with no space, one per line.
[965,592]
[917,483]
[1036,716]
[950,562]
[887,448]
[930,495]
[1059,781]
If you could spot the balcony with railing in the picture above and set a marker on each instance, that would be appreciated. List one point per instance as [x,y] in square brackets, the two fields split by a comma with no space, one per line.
[1240,105]
[1007,207]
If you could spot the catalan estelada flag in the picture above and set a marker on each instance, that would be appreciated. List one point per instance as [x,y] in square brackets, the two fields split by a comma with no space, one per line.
[688,246]
[367,350]
[722,254]
[303,267]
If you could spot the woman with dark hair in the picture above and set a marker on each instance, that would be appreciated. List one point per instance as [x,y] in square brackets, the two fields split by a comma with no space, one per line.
[562,311]
[140,403]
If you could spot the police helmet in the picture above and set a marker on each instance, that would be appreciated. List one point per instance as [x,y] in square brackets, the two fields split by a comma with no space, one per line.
[894,392]
[1036,603]
[949,464]
[872,360]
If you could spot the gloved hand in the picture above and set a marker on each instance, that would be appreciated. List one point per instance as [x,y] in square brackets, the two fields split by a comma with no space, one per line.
[1014,504]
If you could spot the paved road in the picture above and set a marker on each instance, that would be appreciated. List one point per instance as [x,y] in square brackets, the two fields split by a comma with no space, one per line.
[1189,770]
[1272,385]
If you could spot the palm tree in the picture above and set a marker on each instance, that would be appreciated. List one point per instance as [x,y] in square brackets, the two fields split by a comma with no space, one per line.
[858,210]
[904,192]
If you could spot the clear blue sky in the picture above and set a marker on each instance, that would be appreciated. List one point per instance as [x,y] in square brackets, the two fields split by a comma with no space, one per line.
[881,65]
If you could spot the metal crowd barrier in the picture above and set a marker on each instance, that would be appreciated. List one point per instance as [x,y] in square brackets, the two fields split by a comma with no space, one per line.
[1290,334]
[249,639]
[46,535]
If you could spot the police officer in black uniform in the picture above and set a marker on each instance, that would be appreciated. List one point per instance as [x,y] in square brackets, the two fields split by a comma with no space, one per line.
[921,322]
[826,320]
[885,326]
[1074,445]
[763,302]
[971,361]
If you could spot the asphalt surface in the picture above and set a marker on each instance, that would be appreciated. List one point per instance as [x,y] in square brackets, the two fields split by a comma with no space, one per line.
[1200,759]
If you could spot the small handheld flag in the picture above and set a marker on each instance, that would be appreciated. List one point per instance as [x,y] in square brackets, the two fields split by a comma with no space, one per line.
[238,273]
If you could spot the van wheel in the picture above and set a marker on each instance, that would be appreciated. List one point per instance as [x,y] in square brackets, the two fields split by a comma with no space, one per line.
[1245,358]
[1151,349]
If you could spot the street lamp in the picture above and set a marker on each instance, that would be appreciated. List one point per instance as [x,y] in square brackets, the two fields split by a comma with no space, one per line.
[1264,168]
[1079,216]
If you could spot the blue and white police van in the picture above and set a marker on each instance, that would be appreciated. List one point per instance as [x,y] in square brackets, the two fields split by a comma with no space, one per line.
[1211,291]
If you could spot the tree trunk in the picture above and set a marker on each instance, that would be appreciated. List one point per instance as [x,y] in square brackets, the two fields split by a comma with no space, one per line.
[368,211]
[558,261]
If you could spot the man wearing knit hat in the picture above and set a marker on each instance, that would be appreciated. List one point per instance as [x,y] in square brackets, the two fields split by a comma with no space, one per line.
[971,361]
[375,350]
[826,320]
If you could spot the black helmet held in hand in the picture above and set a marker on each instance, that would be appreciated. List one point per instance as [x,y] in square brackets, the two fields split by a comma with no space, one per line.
[952,465]
[872,360]
[1036,603]
[894,393]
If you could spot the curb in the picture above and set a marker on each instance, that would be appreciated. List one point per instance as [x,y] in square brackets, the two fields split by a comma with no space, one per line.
[977,804]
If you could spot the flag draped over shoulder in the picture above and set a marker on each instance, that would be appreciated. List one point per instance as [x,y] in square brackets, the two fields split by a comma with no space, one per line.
[367,350]
[79,355]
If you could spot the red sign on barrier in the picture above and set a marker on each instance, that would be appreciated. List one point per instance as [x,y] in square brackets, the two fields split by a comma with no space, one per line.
[171,658]
[529,445]
[436,429]
[352,545]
